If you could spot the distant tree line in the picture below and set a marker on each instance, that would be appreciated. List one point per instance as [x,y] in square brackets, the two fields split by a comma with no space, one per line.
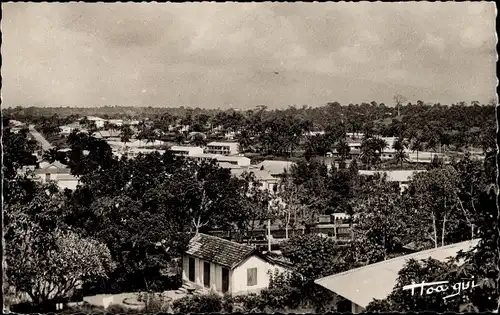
[284,132]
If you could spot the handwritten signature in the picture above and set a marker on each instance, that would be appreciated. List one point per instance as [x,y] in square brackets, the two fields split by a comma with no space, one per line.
[440,286]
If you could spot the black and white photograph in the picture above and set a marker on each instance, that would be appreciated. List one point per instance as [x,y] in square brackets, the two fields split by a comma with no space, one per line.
[249,157]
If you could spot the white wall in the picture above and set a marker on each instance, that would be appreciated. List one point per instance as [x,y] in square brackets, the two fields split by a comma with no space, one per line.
[356,309]
[233,148]
[195,151]
[215,274]
[239,278]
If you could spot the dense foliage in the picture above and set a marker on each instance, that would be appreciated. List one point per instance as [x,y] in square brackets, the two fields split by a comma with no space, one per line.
[130,220]
[281,132]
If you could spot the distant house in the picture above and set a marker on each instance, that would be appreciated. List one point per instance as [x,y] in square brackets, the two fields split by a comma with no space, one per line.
[354,136]
[66,130]
[117,122]
[223,148]
[57,172]
[426,157]
[402,177]
[240,161]
[236,161]
[275,168]
[389,153]
[315,133]
[15,123]
[99,122]
[361,286]
[263,177]
[136,143]
[134,152]
[226,267]
[186,150]
[230,135]
[107,134]
[131,122]
[334,225]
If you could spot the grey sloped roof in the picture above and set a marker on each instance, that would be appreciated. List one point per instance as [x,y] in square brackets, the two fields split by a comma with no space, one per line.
[218,250]
[376,281]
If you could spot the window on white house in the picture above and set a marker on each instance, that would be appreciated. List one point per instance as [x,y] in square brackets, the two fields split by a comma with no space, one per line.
[251,277]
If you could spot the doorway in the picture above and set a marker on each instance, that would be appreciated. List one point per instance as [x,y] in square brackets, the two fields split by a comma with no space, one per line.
[191,275]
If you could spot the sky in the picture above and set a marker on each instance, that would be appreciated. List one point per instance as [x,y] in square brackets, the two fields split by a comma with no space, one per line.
[240,55]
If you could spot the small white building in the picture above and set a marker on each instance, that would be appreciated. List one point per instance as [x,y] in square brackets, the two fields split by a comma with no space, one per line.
[66,130]
[425,156]
[57,172]
[235,161]
[186,150]
[402,177]
[354,136]
[99,122]
[388,154]
[223,148]
[117,122]
[315,133]
[134,152]
[240,161]
[216,264]
[275,167]
[263,177]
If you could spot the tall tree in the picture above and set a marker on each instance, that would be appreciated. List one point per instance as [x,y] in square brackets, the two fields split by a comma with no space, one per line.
[47,260]
[434,197]
[400,146]
[126,134]
[381,220]
[343,149]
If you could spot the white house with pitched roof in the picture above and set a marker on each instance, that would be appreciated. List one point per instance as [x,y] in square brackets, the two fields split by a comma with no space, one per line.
[213,263]
[402,177]
[57,172]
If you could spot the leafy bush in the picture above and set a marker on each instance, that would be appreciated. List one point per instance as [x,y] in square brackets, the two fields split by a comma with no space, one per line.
[120,309]
[281,298]
[153,302]
[198,304]
[283,292]
[249,303]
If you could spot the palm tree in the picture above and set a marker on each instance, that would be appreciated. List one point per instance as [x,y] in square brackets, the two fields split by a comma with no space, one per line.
[417,145]
[180,137]
[50,155]
[368,151]
[400,146]
[198,140]
[244,140]
[126,134]
[343,149]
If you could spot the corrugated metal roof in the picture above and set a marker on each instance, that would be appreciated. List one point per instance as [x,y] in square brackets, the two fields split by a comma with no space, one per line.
[217,143]
[395,175]
[218,250]
[183,148]
[259,175]
[376,281]
[275,167]
[57,164]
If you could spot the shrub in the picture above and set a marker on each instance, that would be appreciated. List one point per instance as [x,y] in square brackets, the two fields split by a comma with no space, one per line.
[282,298]
[120,309]
[249,303]
[198,304]
[153,302]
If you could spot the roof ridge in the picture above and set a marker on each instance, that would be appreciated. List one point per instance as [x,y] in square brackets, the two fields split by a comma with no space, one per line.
[409,256]
[224,240]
